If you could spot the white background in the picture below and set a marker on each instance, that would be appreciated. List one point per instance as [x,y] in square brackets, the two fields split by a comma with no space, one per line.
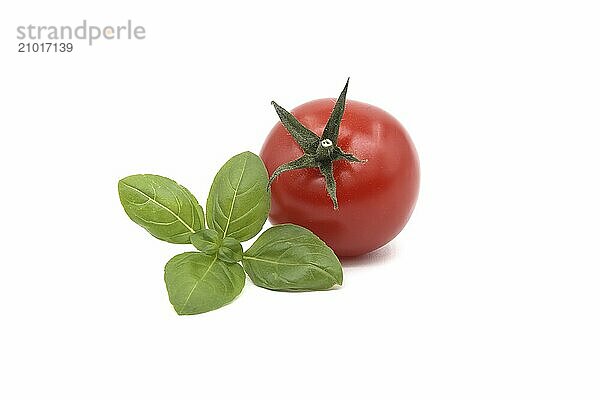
[491,291]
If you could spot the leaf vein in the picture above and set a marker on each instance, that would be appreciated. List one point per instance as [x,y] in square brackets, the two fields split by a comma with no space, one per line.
[160,205]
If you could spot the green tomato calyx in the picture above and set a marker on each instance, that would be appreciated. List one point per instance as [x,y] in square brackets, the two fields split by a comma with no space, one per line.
[319,152]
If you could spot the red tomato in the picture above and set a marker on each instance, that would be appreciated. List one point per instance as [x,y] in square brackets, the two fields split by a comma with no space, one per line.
[376,198]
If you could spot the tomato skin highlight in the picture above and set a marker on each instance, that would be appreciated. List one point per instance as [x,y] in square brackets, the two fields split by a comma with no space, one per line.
[376,198]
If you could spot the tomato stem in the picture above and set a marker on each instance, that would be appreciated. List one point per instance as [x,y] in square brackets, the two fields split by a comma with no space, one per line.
[319,152]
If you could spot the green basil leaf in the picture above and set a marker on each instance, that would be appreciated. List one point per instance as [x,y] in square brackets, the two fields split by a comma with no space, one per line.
[206,241]
[230,250]
[209,242]
[198,282]
[161,206]
[238,202]
[291,258]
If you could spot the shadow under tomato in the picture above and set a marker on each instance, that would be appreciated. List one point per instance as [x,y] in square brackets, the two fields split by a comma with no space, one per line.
[376,257]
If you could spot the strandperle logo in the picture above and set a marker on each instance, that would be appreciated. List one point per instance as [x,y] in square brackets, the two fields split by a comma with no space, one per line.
[87,32]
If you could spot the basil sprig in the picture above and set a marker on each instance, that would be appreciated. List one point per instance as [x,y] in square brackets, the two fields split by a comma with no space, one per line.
[285,257]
